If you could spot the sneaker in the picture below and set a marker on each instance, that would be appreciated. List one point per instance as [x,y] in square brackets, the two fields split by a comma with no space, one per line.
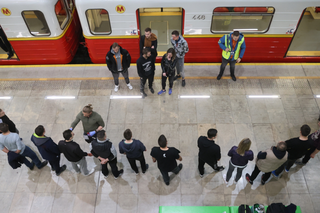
[285,169]
[116,88]
[106,176]
[248,179]
[262,181]
[183,83]
[219,77]
[167,183]
[143,94]
[220,168]
[147,167]
[32,167]
[224,177]
[151,90]
[274,174]
[300,163]
[129,86]
[9,56]
[91,171]
[180,166]
[120,173]
[234,78]
[176,77]
[170,91]
[161,91]
[43,164]
[137,173]
[64,167]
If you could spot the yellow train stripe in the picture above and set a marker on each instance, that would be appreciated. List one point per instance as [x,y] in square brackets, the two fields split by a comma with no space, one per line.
[161,14]
[303,53]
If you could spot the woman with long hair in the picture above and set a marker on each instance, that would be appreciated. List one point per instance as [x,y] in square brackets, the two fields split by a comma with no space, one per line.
[168,65]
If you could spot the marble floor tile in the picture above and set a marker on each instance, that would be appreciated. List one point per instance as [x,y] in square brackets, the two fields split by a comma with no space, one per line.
[42,202]
[304,201]
[5,201]
[63,203]
[148,203]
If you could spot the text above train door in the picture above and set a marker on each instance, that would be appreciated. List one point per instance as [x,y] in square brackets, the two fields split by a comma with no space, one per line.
[306,37]
[162,22]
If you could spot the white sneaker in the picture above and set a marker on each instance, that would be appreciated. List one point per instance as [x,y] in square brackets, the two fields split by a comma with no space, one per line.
[129,86]
[91,171]
[225,179]
[116,88]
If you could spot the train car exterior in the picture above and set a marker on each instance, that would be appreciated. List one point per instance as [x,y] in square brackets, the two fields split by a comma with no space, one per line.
[41,31]
[272,29]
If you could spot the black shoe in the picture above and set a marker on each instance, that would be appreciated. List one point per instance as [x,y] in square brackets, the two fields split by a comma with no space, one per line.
[9,56]
[183,82]
[167,183]
[147,167]
[219,77]
[176,77]
[43,164]
[220,168]
[64,167]
[248,179]
[151,90]
[233,78]
[262,181]
[180,167]
[120,173]
[32,167]
[143,94]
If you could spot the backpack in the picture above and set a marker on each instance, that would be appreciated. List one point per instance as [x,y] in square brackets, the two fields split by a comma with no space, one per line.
[244,209]
[257,208]
[276,208]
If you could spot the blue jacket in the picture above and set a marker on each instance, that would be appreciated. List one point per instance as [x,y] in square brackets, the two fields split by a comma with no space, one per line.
[242,47]
[48,149]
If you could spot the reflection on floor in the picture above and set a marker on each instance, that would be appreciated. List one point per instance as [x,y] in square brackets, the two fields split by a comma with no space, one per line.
[228,109]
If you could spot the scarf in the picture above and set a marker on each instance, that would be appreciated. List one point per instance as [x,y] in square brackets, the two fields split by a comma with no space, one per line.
[148,41]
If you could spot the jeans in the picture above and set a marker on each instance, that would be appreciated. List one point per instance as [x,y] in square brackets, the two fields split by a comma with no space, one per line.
[230,170]
[201,165]
[133,164]
[165,175]
[31,154]
[288,164]
[143,81]
[180,66]
[55,164]
[255,173]
[224,64]
[164,79]
[114,168]
[82,164]
[124,73]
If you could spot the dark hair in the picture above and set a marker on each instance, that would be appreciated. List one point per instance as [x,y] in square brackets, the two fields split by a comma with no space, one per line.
[162,141]
[212,133]
[101,134]
[148,29]
[145,51]
[4,127]
[305,130]
[67,134]
[87,109]
[39,130]
[175,32]
[236,33]
[127,134]
[282,146]
[173,52]
[115,44]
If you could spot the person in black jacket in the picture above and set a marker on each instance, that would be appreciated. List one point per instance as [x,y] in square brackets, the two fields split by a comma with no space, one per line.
[145,68]
[168,66]
[4,119]
[48,149]
[74,153]
[149,41]
[104,150]
[209,152]
[5,44]
[118,61]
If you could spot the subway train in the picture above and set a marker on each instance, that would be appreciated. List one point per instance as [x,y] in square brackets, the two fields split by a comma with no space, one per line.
[50,31]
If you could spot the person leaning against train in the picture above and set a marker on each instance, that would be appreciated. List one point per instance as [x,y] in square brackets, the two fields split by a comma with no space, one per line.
[233,47]
[118,61]
[149,40]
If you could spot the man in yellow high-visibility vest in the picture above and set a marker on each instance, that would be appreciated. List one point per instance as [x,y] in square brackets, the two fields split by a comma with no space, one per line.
[233,48]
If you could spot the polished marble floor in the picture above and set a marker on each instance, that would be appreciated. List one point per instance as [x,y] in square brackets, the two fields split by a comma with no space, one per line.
[264,121]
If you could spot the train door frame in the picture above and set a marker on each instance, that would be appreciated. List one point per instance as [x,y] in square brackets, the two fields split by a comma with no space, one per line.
[5,42]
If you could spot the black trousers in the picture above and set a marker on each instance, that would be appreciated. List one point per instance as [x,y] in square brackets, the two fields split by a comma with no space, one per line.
[230,170]
[55,164]
[164,79]
[288,164]
[4,43]
[133,164]
[143,81]
[165,174]
[114,168]
[255,173]
[307,155]
[224,64]
[201,166]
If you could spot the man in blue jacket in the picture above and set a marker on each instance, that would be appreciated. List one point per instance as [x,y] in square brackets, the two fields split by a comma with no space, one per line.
[233,48]
[48,149]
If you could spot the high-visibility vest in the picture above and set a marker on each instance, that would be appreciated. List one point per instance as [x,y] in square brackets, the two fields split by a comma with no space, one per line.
[225,54]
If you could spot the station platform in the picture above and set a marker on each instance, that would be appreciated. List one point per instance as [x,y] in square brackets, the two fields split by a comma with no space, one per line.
[225,105]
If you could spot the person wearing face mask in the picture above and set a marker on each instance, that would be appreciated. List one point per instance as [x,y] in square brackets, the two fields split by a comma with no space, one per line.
[92,122]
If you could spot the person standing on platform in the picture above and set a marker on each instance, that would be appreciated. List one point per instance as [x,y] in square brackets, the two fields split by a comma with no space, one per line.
[48,149]
[4,119]
[133,149]
[11,142]
[5,44]
[149,40]
[168,66]
[180,46]
[74,153]
[240,155]
[267,161]
[92,122]
[233,47]
[118,61]
[166,158]
[145,68]
[209,152]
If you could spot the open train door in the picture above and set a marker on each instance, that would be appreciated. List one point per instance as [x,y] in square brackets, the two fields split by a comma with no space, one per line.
[6,50]
[306,41]
[162,22]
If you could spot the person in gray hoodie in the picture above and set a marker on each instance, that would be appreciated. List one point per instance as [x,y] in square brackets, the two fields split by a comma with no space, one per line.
[48,149]
[133,149]
[180,46]
[103,149]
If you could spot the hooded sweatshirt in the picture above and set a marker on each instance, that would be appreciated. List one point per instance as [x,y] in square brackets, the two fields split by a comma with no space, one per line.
[104,149]
[209,151]
[180,46]
[145,67]
[132,150]
[48,149]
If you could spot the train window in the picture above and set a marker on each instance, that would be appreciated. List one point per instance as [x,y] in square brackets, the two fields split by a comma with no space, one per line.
[99,22]
[246,19]
[62,14]
[70,4]
[36,23]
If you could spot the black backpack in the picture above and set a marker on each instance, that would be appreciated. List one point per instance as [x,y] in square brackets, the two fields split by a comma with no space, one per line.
[276,208]
[244,209]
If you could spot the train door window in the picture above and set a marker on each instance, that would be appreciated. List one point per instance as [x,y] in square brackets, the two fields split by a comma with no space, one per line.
[99,22]
[62,14]
[162,22]
[306,41]
[246,19]
[70,4]
[36,23]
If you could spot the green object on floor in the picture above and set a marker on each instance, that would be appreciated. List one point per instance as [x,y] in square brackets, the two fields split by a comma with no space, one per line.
[194,209]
